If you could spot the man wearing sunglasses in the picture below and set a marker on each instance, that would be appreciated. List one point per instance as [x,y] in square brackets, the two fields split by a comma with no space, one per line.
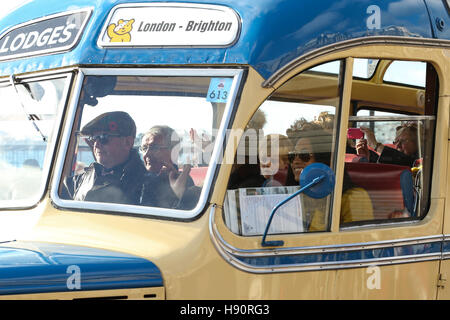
[117,174]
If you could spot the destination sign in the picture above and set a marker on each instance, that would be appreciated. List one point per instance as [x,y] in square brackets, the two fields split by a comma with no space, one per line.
[170,24]
[51,34]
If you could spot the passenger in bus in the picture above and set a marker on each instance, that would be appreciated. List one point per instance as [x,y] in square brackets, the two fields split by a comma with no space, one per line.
[245,172]
[274,160]
[315,146]
[406,150]
[166,186]
[117,174]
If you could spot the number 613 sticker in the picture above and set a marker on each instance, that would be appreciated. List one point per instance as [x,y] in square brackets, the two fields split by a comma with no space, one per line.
[219,89]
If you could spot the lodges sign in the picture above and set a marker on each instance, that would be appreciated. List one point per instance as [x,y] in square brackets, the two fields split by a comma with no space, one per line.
[51,34]
[170,24]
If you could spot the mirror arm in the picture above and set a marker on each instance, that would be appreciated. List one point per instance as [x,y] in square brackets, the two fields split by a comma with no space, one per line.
[277,243]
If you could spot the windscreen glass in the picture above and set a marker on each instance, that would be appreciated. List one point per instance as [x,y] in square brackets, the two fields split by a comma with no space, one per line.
[144,140]
[28,123]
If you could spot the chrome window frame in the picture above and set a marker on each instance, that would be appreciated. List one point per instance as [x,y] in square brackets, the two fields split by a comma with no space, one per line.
[236,257]
[68,74]
[136,210]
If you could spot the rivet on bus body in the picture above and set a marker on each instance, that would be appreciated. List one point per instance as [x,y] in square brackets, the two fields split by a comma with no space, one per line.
[440,24]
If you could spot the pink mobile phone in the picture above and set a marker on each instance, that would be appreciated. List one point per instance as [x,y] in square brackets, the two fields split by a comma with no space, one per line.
[355,133]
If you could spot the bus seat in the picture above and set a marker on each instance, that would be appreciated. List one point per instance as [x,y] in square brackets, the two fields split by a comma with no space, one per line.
[389,186]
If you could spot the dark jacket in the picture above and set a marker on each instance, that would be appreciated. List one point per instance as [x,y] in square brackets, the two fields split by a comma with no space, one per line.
[157,192]
[393,156]
[389,156]
[121,184]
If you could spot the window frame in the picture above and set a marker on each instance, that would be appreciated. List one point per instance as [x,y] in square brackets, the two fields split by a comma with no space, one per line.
[341,80]
[402,116]
[334,220]
[136,210]
[68,75]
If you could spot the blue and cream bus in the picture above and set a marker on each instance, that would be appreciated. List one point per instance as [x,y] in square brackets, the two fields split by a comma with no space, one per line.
[225,75]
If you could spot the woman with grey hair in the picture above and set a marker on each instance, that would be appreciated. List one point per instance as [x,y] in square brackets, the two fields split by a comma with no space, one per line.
[158,149]
[166,186]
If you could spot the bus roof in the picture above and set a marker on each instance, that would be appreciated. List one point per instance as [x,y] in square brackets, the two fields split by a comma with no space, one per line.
[271,33]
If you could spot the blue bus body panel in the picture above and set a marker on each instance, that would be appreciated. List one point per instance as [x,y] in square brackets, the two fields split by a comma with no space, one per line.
[33,267]
[439,18]
[273,31]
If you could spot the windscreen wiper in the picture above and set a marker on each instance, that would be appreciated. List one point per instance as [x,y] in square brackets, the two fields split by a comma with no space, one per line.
[30,117]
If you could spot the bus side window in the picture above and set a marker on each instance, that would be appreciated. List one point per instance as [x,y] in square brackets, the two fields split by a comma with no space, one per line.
[294,127]
[390,164]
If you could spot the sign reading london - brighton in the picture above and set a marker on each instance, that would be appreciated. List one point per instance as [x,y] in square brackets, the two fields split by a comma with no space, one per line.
[51,34]
[170,24]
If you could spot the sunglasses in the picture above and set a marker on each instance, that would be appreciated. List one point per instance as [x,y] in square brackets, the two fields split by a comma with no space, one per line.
[145,148]
[304,155]
[102,138]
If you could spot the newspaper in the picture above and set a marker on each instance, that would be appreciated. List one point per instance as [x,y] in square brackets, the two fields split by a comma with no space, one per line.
[247,211]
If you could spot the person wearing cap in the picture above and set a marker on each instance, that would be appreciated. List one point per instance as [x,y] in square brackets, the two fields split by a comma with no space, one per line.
[166,186]
[118,173]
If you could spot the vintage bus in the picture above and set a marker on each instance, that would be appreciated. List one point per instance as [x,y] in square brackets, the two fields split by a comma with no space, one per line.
[329,82]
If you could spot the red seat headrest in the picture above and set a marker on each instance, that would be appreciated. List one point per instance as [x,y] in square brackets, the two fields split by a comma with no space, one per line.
[382,182]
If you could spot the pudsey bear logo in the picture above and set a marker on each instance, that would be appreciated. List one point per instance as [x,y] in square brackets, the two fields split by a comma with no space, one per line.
[121,31]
